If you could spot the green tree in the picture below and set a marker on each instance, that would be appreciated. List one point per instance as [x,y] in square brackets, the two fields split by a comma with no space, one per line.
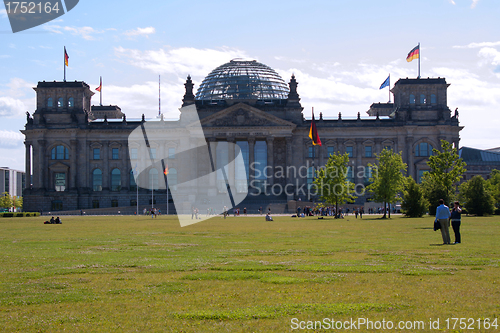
[447,168]
[5,200]
[17,202]
[332,182]
[477,196]
[495,187]
[414,204]
[387,179]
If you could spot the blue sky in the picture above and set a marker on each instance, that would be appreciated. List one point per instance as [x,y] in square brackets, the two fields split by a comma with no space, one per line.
[340,51]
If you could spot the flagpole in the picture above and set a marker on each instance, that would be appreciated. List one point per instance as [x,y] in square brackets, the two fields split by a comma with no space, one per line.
[100,91]
[64,64]
[389,87]
[167,187]
[419,56]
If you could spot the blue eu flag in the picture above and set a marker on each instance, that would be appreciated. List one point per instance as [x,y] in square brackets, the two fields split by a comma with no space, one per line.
[386,82]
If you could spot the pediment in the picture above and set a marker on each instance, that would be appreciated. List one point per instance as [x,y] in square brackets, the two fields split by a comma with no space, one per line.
[243,115]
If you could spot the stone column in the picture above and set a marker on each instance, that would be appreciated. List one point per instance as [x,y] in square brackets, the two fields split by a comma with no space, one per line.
[105,163]
[321,155]
[289,160]
[28,165]
[72,169]
[409,157]
[359,154]
[42,164]
[230,157]
[251,160]
[377,147]
[125,158]
[270,160]
[213,152]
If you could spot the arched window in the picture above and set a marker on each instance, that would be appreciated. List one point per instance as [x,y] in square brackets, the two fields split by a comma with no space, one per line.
[116,180]
[423,149]
[97,180]
[59,153]
[412,99]
[172,179]
[133,185]
[60,102]
[71,102]
[433,99]
[153,179]
[50,102]
[422,99]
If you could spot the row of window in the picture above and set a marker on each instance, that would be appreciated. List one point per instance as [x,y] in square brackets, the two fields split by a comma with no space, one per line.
[423,99]
[60,102]
[116,180]
[58,204]
[62,153]
[423,149]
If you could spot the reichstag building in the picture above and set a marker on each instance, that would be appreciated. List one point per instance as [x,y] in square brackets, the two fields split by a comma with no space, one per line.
[79,156]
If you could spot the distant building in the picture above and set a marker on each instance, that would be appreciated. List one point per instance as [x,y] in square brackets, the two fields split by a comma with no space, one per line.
[480,162]
[79,157]
[12,181]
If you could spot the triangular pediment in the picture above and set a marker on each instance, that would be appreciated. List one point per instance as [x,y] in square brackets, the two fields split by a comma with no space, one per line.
[243,115]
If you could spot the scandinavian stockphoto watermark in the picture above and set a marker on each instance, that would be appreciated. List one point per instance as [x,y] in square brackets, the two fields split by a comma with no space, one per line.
[25,15]
[204,174]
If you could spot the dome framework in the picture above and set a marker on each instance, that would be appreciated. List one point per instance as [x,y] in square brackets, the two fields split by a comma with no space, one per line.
[242,80]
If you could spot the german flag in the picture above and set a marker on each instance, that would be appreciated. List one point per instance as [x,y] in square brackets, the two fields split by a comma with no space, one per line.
[313,132]
[166,170]
[66,57]
[100,85]
[414,54]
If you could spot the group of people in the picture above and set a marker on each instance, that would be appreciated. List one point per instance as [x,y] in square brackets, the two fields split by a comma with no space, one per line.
[154,212]
[53,221]
[444,216]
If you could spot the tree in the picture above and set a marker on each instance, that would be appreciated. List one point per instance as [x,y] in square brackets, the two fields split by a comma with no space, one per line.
[495,187]
[477,196]
[5,200]
[332,183]
[17,202]
[414,204]
[387,179]
[446,171]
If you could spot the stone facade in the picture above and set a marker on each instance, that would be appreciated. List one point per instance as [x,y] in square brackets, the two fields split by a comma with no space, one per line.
[66,142]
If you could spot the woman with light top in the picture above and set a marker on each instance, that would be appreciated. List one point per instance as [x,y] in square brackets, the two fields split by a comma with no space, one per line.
[456,214]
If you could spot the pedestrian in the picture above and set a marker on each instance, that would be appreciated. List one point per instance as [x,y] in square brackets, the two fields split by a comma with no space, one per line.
[456,216]
[443,215]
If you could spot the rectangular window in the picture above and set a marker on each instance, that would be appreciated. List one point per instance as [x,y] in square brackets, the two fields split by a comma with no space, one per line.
[349,150]
[311,152]
[115,153]
[368,151]
[133,153]
[420,175]
[388,148]
[7,188]
[171,153]
[152,153]
[95,203]
[57,205]
[330,151]
[114,203]
[60,181]
[97,153]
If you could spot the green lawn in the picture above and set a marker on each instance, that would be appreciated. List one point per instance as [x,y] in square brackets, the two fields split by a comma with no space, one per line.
[114,274]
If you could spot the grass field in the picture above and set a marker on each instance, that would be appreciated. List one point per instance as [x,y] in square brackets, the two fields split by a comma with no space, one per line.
[114,274]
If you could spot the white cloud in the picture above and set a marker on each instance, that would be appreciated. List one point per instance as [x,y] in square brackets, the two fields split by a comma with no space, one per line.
[474,3]
[3,13]
[85,32]
[140,31]
[491,55]
[11,107]
[11,139]
[452,2]
[477,45]
[181,61]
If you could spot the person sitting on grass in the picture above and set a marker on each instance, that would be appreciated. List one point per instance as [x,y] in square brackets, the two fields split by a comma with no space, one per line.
[52,220]
[58,220]
[269,217]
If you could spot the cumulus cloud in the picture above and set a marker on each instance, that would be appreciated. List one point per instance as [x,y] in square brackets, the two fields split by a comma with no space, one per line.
[452,2]
[477,45]
[140,31]
[11,107]
[11,139]
[490,54]
[84,32]
[474,3]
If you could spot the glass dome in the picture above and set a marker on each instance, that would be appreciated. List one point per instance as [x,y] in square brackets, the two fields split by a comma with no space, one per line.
[242,79]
